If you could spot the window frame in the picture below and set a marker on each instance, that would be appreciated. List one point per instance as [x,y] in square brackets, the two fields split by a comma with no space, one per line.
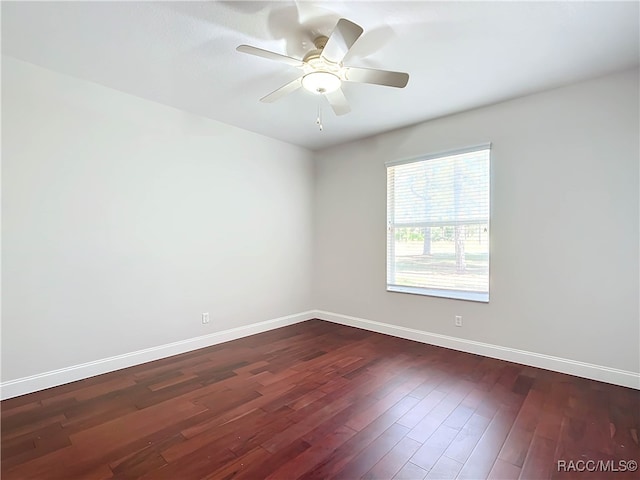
[482,297]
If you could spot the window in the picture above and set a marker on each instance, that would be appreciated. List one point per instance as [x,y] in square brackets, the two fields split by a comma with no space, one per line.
[438,225]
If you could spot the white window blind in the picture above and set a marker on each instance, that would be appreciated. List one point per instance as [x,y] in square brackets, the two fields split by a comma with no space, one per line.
[438,225]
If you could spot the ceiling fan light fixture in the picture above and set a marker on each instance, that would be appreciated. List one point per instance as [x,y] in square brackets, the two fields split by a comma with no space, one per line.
[321,82]
[323,70]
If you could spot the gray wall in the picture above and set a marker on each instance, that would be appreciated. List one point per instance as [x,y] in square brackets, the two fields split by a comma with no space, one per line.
[564,251]
[124,220]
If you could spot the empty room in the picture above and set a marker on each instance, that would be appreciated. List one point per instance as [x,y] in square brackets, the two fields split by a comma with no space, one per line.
[320,240]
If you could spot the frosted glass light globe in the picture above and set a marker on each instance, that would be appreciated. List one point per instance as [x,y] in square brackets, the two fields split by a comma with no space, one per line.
[321,82]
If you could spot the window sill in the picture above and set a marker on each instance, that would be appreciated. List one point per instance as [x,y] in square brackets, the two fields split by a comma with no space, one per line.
[451,294]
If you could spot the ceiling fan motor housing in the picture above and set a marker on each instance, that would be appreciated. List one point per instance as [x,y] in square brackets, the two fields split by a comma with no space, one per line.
[321,76]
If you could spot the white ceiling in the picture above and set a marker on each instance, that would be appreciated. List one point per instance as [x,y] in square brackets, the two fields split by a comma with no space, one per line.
[460,55]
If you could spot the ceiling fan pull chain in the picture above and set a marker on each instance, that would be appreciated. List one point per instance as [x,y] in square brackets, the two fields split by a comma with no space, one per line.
[319,117]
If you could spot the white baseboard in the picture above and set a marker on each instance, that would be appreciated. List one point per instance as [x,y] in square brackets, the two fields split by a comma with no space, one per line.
[33,383]
[563,365]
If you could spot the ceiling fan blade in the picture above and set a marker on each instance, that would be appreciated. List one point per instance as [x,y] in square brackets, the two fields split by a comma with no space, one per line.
[282,91]
[342,38]
[259,52]
[377,77]
[338,102]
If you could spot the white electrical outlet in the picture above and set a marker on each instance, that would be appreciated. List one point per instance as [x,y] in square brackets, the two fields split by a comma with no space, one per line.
[205,318]
[458,320]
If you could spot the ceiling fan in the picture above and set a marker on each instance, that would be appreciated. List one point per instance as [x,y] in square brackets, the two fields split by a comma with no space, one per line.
[323,71]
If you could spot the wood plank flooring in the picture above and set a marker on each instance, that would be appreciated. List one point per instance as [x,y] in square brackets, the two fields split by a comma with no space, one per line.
[315,401]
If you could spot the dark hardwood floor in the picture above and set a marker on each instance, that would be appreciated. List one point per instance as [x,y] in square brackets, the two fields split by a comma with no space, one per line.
[318,400]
